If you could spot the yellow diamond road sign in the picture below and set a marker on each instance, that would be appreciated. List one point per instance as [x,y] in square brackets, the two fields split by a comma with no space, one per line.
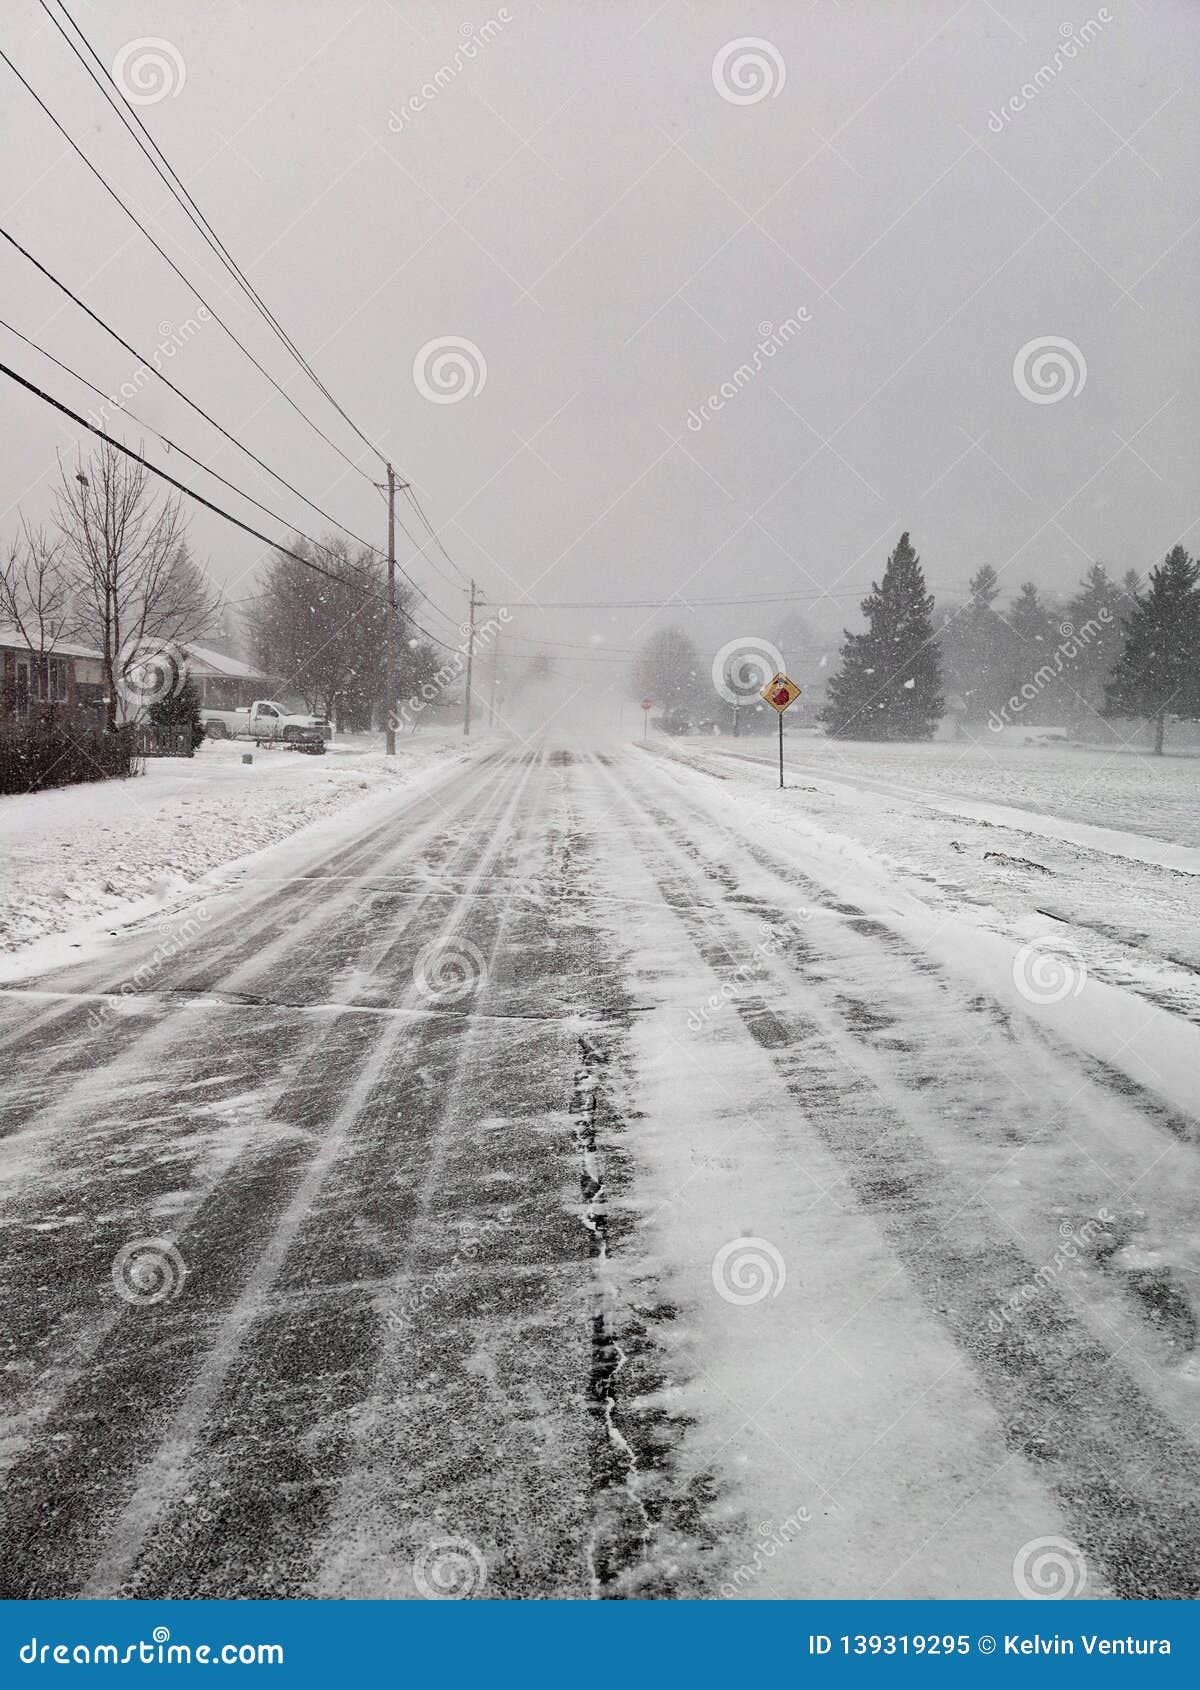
[779,692]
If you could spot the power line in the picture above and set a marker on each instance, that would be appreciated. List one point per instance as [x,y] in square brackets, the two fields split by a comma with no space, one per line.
[199,498]
[149,364]
[171,445]
[434,535]
[217,318]
[571,645]
[175,185]
[183,197]
[786,595]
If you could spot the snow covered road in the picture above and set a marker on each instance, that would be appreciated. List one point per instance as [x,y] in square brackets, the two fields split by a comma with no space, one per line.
[591,1174]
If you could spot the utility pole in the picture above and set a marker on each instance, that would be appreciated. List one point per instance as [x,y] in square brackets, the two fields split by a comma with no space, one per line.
[390,699]
[495,682]
[470,661]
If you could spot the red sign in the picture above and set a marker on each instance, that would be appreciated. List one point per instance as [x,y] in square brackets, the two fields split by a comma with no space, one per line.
[647,704]
[780,692]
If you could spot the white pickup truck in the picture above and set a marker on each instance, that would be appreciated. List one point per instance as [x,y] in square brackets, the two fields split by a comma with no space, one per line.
[266,722]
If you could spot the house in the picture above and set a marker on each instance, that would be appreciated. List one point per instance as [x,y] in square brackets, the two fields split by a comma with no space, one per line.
[71,675]
[224,683]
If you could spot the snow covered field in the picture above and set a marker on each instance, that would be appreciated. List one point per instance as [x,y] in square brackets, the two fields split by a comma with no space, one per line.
[1100,786]
[81,852]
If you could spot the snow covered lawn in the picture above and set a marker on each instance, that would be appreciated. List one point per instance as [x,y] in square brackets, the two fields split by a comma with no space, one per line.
[1106,786]
[80,852]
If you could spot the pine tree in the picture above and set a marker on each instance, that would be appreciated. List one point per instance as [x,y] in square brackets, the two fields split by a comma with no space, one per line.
[889,684]
[1158,673]
[1031,621]
[178,707]
[1093,622]
[1034,661]
[977,647]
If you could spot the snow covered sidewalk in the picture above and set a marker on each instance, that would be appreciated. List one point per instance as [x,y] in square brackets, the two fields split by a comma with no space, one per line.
[73,854]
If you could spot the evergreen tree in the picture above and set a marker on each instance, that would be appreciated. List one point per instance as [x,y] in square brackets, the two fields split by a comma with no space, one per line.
[977,647]
[1031,621]
[1093,621]
[1034,642]
[889,684]
[178,707]
[1158,673]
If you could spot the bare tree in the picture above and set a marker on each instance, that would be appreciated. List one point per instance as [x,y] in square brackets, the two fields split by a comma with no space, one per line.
[140,592]
[36,598]
[322,630]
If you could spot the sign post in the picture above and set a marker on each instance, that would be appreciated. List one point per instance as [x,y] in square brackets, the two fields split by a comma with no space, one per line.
[779,693]
[647,707]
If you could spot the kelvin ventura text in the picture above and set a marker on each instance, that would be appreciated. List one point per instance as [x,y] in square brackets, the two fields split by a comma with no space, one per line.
[1091,1645]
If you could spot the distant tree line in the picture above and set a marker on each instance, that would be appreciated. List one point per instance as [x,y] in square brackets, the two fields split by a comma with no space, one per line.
[1115,649]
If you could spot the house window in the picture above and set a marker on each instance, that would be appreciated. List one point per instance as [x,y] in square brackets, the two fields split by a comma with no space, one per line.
[56,674]
[23,689]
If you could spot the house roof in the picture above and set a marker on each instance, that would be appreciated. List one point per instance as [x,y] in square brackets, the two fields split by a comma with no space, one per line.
[206,662]
[202,660]
[12,639]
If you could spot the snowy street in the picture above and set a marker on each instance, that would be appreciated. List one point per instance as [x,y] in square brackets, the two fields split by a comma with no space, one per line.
[587,1171]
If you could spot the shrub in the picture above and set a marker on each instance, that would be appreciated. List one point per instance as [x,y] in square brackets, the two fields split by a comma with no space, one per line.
[54,750]
[180,707]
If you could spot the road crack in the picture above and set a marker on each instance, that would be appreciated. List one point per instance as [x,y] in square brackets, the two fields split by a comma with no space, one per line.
[622,1532]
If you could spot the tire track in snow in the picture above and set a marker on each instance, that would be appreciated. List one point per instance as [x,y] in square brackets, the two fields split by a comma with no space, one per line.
[151,1352]
[245,916]
[1125,1475]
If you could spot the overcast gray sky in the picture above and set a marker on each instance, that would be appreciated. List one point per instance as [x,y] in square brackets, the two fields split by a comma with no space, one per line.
[613,205]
